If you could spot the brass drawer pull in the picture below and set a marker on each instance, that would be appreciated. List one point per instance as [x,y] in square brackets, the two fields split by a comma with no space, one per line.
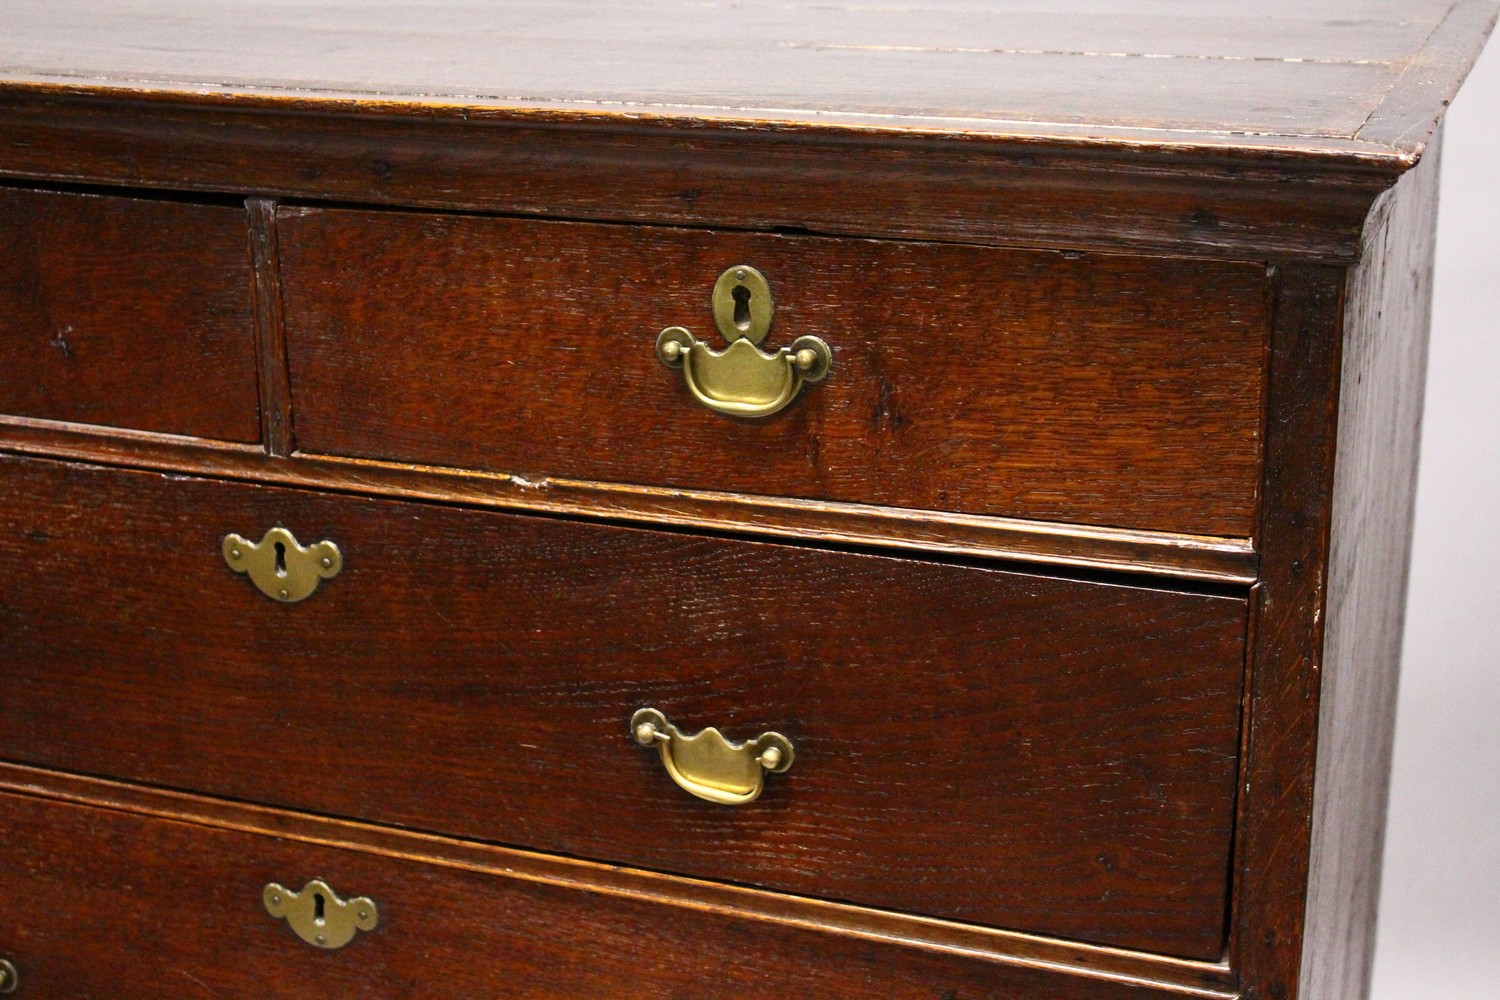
[742,380]
[318,916]
[9,979]
[281,568]
[708,765]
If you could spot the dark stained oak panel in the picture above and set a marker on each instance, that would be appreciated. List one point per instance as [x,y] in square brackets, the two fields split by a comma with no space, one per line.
[994,747]
[1113,390]
[128,313]
[172,910]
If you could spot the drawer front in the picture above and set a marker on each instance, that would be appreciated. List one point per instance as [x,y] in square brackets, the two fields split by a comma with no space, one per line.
[1120,391]
[999,748]
[127,312]
[104,904]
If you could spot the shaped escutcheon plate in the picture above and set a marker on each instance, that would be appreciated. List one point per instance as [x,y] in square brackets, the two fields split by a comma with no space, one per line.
[318,916]
[282,569]
[707,764]
[743,380]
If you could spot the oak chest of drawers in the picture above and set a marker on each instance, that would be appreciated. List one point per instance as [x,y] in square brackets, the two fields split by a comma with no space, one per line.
[714,501]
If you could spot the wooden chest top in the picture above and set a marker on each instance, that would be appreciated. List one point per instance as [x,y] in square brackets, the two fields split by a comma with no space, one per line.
[1280,75]
[1209,127]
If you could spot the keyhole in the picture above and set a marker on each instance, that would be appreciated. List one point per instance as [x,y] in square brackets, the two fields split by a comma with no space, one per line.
[281,571]
[741,296]
[317,908]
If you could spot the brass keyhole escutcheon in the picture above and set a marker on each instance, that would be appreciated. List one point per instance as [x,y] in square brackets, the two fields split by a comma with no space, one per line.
[318,916]
[280,567]
[742,380]
[742,305]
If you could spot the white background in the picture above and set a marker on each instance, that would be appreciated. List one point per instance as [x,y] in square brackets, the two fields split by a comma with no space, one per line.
[1440,902]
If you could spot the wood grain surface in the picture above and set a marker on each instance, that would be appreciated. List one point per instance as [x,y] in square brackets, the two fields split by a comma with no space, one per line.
[273,383]
[1207,197]
[1281,732]
[127,312]
[175,912]
[1281,70]
[998,748]
[1384,367]
[1103,158]
[881,927]
[1115,391]
[1012,782]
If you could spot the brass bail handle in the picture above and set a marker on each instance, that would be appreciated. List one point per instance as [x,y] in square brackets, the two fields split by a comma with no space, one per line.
[708,765]
[9,978]
[742,380]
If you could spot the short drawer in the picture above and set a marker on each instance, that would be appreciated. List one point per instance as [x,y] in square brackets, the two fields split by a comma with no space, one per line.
[1085,388]
[102,903]
[127,312]
[994,747]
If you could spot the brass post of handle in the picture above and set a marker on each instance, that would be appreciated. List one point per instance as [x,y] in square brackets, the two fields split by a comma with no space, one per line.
[708,765]
[742,380]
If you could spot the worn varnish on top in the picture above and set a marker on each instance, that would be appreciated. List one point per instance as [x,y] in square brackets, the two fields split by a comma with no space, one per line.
[1278,73]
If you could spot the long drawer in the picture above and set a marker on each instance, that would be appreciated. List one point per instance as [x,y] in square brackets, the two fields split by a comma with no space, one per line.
[996,747]
[1084,388]
[98,904]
